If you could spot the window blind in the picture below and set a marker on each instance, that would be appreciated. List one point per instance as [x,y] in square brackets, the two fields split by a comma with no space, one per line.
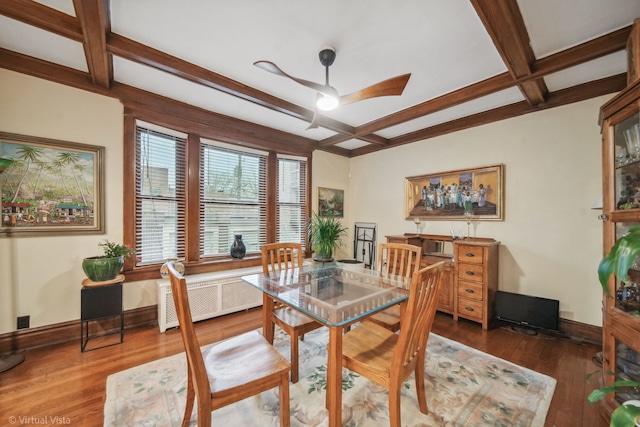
[160,196]
[232,199]
[292,195]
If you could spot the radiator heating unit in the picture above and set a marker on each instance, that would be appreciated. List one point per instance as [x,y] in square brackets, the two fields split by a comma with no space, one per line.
[210,295]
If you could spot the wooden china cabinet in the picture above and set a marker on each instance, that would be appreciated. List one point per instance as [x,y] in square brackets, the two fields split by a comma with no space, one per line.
[620,122]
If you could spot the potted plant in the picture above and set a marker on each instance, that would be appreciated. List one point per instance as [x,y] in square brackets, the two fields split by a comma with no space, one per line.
[618,261]
[106,267]
[324,236]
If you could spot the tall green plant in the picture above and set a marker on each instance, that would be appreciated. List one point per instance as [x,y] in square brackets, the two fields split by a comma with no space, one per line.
[324,234]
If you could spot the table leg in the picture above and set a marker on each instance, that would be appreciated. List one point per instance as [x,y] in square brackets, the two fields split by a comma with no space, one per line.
[268,326]
[334,376]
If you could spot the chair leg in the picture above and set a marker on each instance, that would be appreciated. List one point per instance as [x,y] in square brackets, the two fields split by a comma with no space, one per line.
[204,412]
[394,406]
[294,357]
[285,413]
[422,396]
[190,398]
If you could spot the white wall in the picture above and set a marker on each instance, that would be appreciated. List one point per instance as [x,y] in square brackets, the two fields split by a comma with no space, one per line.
[551,240]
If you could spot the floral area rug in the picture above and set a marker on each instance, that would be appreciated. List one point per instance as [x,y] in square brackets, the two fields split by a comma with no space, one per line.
[464,387]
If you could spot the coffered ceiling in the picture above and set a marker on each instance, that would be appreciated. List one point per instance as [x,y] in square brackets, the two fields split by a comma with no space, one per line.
[471,61]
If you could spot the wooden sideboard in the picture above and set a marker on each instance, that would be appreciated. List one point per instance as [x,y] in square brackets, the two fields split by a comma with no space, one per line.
[470,278]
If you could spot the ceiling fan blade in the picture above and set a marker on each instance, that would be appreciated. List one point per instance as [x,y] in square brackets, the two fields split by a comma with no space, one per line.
[315,122]
[273,68]
[390,87]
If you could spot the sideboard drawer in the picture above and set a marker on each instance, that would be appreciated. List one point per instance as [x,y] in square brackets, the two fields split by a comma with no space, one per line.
[470,309]
[470,290]
[470,254]
[471,272]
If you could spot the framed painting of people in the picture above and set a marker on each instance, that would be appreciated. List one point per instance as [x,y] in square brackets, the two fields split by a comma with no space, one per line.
[452,195]
[51,186]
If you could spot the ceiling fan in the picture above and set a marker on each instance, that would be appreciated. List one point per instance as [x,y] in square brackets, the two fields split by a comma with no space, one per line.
[328,97]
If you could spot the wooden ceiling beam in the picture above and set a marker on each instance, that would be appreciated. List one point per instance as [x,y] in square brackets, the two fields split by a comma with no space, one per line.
[152,102]
[35,67]
[460,96]
[43,17]
[95,20]
[142,54]
[46,18]
[584,52]
[555,99]
[188,118]
[503,21]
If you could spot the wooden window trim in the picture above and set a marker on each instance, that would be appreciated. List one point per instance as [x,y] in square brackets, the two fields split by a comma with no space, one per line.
[195,130]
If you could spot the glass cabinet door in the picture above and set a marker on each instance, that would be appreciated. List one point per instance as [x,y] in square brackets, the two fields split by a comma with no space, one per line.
[627,295]
[627,368]
[627,163]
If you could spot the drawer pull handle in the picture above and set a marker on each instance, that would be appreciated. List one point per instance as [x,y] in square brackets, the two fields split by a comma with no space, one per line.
[470,273]
[469,290]
[470,255]
[469,308]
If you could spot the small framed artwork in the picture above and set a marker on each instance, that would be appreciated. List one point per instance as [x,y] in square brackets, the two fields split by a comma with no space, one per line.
[451,195]
[50,186]
[330,202]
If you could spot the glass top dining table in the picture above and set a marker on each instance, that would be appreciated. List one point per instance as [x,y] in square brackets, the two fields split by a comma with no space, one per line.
[335,295]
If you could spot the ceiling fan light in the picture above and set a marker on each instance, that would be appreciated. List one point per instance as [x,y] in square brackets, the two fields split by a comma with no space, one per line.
[327,103]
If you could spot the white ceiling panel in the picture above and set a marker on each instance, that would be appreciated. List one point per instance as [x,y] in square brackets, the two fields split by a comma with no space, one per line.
[32,41]
[609,65]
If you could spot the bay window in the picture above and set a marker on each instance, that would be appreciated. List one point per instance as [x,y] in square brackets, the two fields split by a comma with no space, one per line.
[187,196]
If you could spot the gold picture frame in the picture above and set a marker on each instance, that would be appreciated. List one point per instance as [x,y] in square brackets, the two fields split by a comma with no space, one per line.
[448,195]
[52,187]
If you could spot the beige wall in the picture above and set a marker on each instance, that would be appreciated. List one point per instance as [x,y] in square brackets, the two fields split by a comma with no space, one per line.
[42,276]
[551,239]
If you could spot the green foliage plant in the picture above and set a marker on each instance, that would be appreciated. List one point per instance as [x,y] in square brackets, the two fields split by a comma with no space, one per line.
[324,234]
[113,250]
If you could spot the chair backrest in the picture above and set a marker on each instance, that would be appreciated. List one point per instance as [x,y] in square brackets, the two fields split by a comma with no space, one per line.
[398,258]
[195,362]
[281,256]
[418,316]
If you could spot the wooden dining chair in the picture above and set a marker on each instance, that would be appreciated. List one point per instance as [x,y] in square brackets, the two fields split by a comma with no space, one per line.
[387,358]
[285,256]
[399,259]
[252,365]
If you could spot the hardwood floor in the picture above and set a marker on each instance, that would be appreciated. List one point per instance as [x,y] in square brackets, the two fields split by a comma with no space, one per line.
[60,381]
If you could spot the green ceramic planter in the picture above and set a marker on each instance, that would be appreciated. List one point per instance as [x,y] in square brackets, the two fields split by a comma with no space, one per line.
[101,269]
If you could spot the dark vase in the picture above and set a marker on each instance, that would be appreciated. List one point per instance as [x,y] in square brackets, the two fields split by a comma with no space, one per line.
[238,249]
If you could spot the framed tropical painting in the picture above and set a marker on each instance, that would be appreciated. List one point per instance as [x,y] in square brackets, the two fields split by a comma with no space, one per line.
[50,186]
